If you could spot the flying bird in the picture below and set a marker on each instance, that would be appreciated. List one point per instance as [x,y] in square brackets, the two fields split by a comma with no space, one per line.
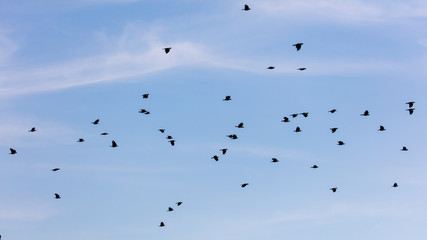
[404,149]
[239,126]
[167,50]
[215,158]
[170,209]
[142,111]
[274,160]
[381,128]
[366,113]
[57,196]
[395,185]
[145,95]
[305,114]
[55,169]
[245,184]
[341,143]
[104,133]
[332,111]
[162,130]
[298,46]
[32,129]
[162,224]
[178,203]
[314,166]
[285,119]
[333,129]
[232,136]
[302,69]
[227,98]
[410,104]
[334,189]
[411,110]
[172,142]
[298,129]
[169,137]
[271,67]
[224,151]
[95,122]
[294,115]
[12,151]
[246,8]
[114,144]
[80,140]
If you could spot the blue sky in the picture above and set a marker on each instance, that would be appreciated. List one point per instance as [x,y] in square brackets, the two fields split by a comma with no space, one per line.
[64,64]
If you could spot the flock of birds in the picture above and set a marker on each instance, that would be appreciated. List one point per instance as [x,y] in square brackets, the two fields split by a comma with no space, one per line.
[285,119]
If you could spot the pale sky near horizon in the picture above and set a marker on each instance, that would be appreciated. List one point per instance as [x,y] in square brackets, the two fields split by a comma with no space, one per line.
[64,64]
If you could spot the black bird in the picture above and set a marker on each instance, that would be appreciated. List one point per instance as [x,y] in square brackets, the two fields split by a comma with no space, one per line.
[178,203]
[302,69]
[314,166]
[232,136]
[215,158]
[246,8]
[271,67]
[298,129]
[285,119]
[366,113]
[55,169]
[12,151]
[332,111]
[294,115]
[381,128]
[142,111]
[104,133]
[145,95]
[341,143]
[227,98]
[162,224]
[95,122]
[172,142]
[32,129]
[395,185]
[410,104]
[404,149]
[333,129]
[334,189]
[170,209]
[162,130]
[167,50]
[305,114]
[245,184]
[411,110]
[169,137]
[224,151]
[240,125]
[298,46]
[274,160]
[114,144]
[81,140]
[57,196]
[147,112]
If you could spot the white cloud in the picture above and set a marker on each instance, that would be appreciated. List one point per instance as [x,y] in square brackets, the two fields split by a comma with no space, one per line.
[7,47]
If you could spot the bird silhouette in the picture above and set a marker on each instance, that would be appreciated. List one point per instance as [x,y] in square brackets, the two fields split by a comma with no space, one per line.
[294,115]
[167,50]
[114,144]
[55,169]
[332,111]
[246,8]
[365,114]
[240,125]
[170,209]
[95,122]
[162,130]
[172,142]
[271,67]
[314,166]
[80,140]
[227,98]
[285,119]
[104,133]
[298,46]
[298,129]
[142,111]
[333,129]
[145,95]
[32,129]
[404,149]
[274,160]
[224,151]
[341,143]
[334,189]
[12,151]
[57,196]
[395,185]
[232,136]
[305,114]
[215,158]
[410,104]
[302,69]
[411,110]
[178,203]
[244,185]
[381,128]
[162,224]
[169,137]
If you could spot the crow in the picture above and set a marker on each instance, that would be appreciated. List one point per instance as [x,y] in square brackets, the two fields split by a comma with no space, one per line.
[332,111]
[12,151]
[145,95]
[113,144]
[224,151]
[172,142]
[285,119]
[170,209]
[395,185]
[381,128]
[227,98]
[104,133]
[271,67]
[298,46]
[167,50]
[169,137]
[341,143]
[80,140]
[246,8]
[142,111]
[294,115]
[245,184]
[298,129]
[32,129]
[240,125]
[57,196]
[302,69]
[162,130]
[411,110]
[95,122]
[305,114]
[215,158]
[333,129]
[55,169]
[334,189]
[404,149]
[365,114]
[162,224]
[274,160]
[314,166]
[178,203]
[232,136]
[410,104]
